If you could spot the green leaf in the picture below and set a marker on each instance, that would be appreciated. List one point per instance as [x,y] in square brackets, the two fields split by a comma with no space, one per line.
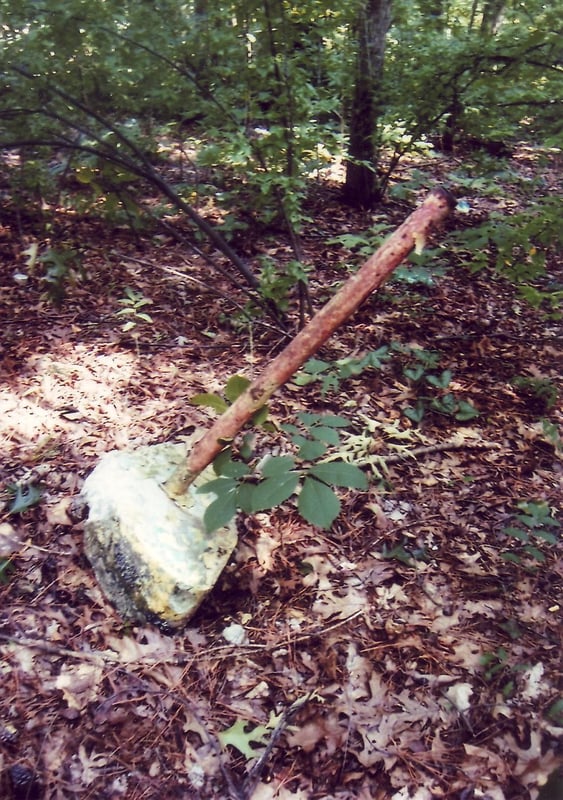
[242,740]
[376,357]
[318,504]
[219,486]
[417,413]
[414,373]
[338,473]
[314,366]
[246,448]
[303,379]
[440,381]
[309,450]
[325,434]
[293,430]
[6,567]
[220,512]
[309,419]
[334,421]
[259,417]
[512,557]
[277,465]
[273,491]
[235,469]
[211,401]
[466,411]
[224,457]
[547,536]
[236,385]
[25,499]
[533,552]
[398,553]
[445,405]
[244,496]
[517,533]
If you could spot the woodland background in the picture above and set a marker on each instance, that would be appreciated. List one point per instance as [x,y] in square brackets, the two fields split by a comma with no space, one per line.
[181,184]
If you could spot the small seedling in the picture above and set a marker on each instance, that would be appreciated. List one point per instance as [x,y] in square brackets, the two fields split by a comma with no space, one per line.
[421,374]
[404,554]
[62,268]
[534,531]
[331,373]
[551,435]
[498,664]
[540,391]
[132,304]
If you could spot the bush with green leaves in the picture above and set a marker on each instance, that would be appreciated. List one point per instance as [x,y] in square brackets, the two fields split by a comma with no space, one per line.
[257,484]
[252,482]
[516,246]
[107,103]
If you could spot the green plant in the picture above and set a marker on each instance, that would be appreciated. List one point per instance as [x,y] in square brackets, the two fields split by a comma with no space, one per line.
[417,273]
[551,434]
[234,387]
[533,531]
[363,243]
[132,304]
[62,267]
[417,371]
[6,569]
[516,246]
[555,712]
[256,484]
[24,497]
[404,554]
[331,373]
[276,281]
[497,664]
[549,302]
[540,390]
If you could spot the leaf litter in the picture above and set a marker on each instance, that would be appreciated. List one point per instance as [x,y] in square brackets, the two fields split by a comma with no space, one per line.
[397,655]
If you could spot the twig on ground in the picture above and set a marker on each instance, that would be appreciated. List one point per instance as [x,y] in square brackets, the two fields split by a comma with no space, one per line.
[251,781]
[441,447]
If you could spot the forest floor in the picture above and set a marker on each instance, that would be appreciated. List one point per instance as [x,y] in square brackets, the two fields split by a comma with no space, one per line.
[400,654]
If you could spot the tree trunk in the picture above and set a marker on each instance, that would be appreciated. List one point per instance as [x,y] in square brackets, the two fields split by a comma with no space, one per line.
[493,12]
[372,23]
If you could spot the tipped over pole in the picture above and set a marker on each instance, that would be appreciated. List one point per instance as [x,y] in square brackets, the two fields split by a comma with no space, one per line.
[412,233]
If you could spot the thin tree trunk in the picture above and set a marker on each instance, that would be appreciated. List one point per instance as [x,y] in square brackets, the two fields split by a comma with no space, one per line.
[373,20]
[493,12]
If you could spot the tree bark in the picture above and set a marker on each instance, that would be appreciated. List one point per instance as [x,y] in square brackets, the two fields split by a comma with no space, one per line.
[493,12]
[362,188]
[372,274]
